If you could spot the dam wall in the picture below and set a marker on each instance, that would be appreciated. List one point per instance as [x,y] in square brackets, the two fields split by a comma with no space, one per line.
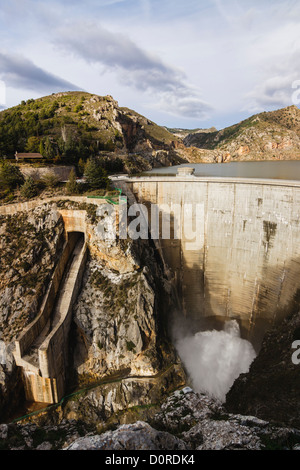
[245,259]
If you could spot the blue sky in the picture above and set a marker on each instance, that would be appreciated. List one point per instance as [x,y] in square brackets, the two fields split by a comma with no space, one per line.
[182,64]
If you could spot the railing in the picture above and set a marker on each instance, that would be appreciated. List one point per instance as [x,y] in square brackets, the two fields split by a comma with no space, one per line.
[111,199]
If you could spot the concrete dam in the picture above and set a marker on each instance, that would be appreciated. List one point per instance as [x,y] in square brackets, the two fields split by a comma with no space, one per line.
[245,261]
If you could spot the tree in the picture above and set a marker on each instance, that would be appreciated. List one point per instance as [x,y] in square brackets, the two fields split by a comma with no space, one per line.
[72,186]
[33,144]
[49,179]
[41,148]
[29,188]
[81,165]
[10,176]
[95,175]
[48,149]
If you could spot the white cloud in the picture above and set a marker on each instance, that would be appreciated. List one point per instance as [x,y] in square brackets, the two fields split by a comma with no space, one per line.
[19,72]
[135,67]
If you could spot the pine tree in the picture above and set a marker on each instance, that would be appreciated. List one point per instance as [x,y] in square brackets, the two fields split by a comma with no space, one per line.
[72,186]
[10,176]
[96,176]
[41,148]
[29,188]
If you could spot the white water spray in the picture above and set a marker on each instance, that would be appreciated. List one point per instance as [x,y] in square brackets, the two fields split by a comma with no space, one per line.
[214,359]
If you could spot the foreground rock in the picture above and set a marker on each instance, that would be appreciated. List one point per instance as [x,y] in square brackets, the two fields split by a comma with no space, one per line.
[185,421]
[191,421]
[137,436]
[203,424]
[270,389]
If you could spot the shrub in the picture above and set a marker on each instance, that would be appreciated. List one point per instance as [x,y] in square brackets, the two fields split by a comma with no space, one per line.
[10,176]
[72,186]
[96,176]
[49,179]
[29,188]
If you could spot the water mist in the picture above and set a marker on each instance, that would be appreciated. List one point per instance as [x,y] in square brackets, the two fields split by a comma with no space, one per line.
[214,359]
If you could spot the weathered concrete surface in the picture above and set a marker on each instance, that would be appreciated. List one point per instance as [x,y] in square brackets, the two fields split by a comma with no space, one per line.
[60,172]
[245,263]
[11,209]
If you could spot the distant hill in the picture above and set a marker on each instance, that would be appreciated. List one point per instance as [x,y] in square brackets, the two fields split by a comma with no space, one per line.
[182,133]
[71,126]
[265,136]
[66,127]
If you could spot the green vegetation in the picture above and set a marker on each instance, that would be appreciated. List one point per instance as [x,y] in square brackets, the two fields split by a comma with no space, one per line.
[49,179]
[60,127]
[72,186]
[10,176]
[29,188]
[96,176]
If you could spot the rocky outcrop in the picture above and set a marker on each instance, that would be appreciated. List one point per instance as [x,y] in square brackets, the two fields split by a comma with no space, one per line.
[30,245]
[137,436]
[120,315]
[270,390]
[185,421]
[271,135]
[119,321]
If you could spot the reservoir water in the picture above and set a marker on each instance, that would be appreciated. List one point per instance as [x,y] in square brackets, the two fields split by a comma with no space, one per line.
[282,170]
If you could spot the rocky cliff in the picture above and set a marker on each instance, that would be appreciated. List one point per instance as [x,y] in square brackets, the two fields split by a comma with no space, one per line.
[270,390]
[271,135]
[119,321]
[30,244]
[184,421]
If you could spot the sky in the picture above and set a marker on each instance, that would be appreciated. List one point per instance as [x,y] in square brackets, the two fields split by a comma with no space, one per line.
[187,64]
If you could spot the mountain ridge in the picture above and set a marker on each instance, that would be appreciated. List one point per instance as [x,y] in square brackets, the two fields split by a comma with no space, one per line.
[273,135]
[68,126]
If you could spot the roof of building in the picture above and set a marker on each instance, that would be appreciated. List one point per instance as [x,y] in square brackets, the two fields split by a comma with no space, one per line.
[29,155]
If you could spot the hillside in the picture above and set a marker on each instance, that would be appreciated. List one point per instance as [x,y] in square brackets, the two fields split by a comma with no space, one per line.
[65,127]
[264,136]
[72,126]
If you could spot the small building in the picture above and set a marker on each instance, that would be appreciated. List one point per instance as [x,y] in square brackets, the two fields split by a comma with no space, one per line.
[28,156]
[185,171]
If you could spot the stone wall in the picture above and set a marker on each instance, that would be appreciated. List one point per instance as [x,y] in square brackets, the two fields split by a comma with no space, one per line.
[61,172]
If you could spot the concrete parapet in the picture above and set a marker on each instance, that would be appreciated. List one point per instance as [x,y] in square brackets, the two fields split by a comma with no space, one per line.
[11,209]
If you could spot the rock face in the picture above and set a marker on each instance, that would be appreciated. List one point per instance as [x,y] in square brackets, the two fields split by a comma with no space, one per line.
[185,421]
[270,389]
[271,135]
[121,314]
[137,436]
[119,320]
[30,246]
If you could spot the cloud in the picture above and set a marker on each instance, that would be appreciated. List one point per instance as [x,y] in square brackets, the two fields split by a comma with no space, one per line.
[135,67]
[18,72]
[276,89]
